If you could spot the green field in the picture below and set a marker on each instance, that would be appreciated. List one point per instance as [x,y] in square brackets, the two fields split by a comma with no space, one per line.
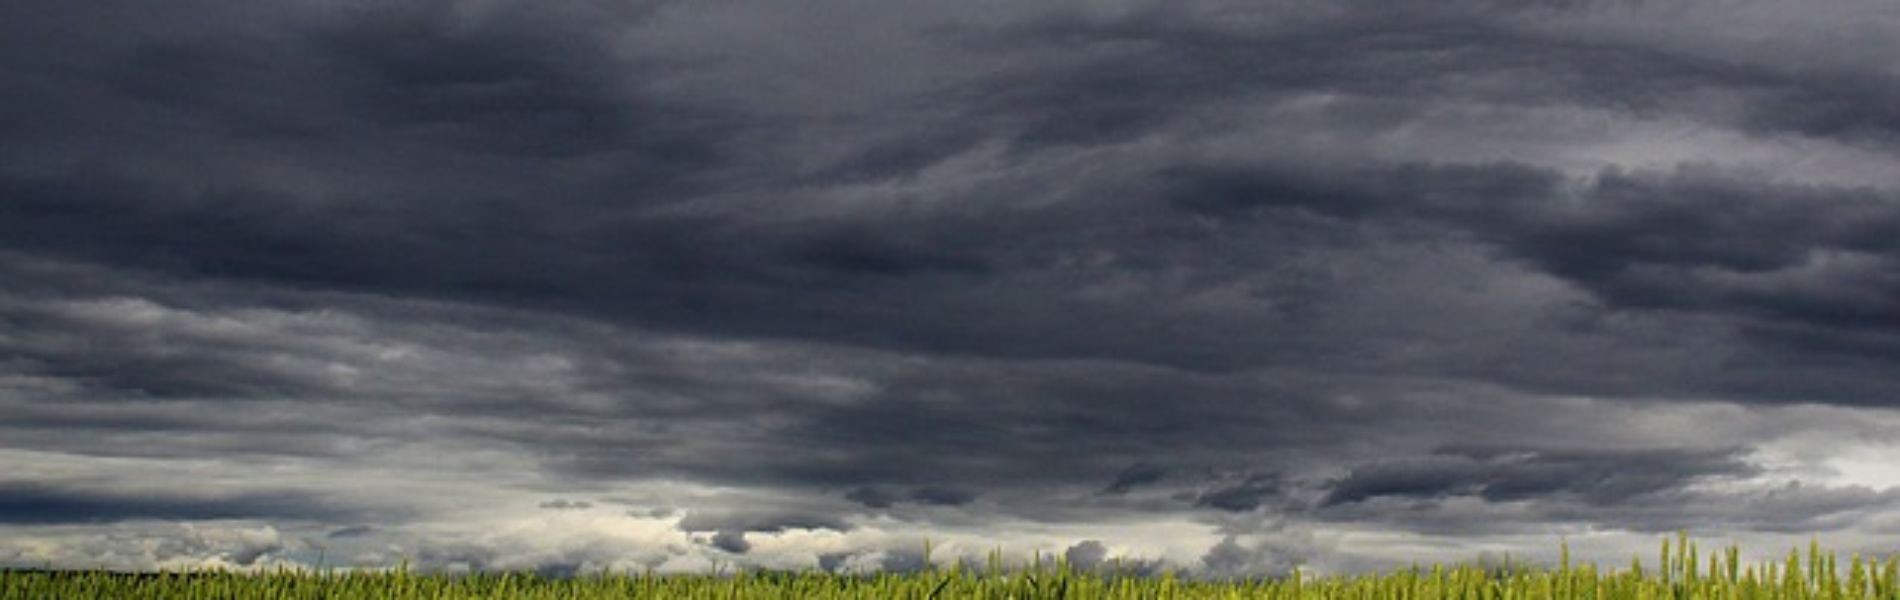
[1679,574]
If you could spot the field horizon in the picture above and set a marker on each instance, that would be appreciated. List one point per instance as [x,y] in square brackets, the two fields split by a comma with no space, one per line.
[1678,572]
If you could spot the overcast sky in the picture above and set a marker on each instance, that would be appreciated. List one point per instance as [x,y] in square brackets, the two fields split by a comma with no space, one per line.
[1218,287]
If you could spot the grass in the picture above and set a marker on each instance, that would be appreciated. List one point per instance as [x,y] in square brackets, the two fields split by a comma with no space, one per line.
[1680,575]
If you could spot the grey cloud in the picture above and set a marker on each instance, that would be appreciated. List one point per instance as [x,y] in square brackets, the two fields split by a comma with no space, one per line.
[1830,103]
[1093,556]
[952,265]
[1507,474]
[871,497]
[74,340]
[868,253]
[1138,72]
[566,556]
[1135,476]
[874,559]
[1623,236]
[1245,495]
[350,532]
[565,504]
[942,496]
[1788,508]
[830,562]
[1086,555]
[902,561]
[1754,255]
[1233,559]
[731,541]
[138,547]
[517,83]
[703,272]
[455,555]
[1417,478]
[28,502]
[930,495]
[760,520]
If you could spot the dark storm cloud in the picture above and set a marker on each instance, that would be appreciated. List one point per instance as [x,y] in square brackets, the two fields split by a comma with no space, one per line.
[949,265]
[1831,103]
[1243,496]
[515,82]
[108,344]
[1135,476]
[32,503]
[731,541]
[1135,73]
[768,520]
[668,272]
[1723,245]
[871,497]
[548,87]
[317,356]
[535,88]
[1803,270]
[1604,236]
[942,496]
[1791,508]
[855,253]
[1507,474]
[422,118]
[928,434]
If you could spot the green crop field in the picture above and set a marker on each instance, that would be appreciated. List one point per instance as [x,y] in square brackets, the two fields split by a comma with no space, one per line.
[1679,575]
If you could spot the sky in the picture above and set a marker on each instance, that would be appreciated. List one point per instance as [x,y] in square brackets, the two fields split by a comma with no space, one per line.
[1227,288]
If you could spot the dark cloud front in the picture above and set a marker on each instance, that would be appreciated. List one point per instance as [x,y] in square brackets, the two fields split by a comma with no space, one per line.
[446,219]
[1246,495]
[1116,78]
[38,503]
[1687,240]
[1757,256]
[1442,500]
[1061,263]
[1135,476]
[761,520]
[930,495]
[1597,477]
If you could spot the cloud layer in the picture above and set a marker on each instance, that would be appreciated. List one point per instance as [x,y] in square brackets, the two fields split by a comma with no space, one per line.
[1223,287]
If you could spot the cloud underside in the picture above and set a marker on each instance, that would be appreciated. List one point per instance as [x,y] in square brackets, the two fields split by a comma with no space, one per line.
[1219,287]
